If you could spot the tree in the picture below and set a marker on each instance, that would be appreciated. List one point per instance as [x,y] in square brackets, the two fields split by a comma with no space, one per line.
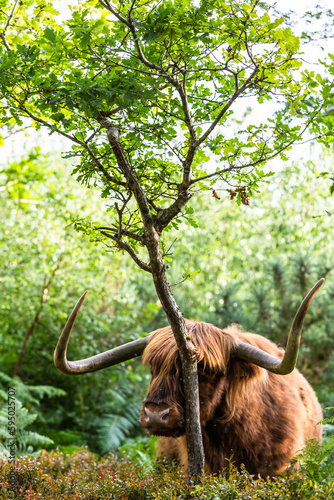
[147,93]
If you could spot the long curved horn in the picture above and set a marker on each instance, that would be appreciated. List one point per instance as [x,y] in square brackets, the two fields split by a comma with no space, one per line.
[287,364]
[98,362]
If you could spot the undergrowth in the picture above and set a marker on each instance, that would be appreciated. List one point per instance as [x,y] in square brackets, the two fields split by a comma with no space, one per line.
[54,476]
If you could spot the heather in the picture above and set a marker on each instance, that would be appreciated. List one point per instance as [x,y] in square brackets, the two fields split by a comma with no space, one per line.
[83,476]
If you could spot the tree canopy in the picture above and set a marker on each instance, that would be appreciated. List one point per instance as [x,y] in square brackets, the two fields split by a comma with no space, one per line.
[167,76]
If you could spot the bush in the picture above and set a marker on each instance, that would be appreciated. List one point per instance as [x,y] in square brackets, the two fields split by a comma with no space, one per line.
[81,476]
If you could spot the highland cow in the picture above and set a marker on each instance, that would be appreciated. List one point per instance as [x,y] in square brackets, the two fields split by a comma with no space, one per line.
[248,414]
[255,408]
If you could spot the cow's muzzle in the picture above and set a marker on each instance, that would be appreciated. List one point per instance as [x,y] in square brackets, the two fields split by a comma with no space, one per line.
[162,419]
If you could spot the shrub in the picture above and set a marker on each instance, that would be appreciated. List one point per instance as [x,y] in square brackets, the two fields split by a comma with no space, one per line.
[81,476]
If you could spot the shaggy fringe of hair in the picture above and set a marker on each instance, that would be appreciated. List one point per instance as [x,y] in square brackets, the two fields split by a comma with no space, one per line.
[214,351]
[163,355]
[213,347]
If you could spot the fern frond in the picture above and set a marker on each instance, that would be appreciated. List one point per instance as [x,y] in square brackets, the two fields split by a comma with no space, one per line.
[3,395]
[46,390]
[118,397]
[30,393]
[5,378]
[31,438]
[113,430]
[133,412]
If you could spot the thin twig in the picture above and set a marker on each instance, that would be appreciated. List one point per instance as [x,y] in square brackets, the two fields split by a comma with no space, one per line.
[128,248]
[10,17]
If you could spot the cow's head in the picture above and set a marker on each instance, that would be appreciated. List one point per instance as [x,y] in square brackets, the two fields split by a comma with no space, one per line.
[221,375]
[162,412]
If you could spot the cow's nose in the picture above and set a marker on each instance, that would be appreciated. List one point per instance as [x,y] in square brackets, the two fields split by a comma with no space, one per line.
[156,417]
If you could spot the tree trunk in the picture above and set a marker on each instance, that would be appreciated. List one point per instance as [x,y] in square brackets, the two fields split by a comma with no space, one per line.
[188,359]
[25,341]
[153,227]
[31,329]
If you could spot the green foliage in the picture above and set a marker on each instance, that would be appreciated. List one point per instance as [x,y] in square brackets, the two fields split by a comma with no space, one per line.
[142,450]
[29,394]
[317,462]
[82,476]
[66,440]
[271,305]
[167,75]
[113,428]
[28,442]
[46,277]
[255,262]
[329,420]
[18,178]
[27,398]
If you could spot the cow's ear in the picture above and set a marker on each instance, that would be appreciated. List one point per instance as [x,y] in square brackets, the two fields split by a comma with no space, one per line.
[244,370]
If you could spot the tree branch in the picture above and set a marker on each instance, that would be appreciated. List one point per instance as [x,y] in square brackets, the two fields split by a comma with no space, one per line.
[228,169]
[128,172]
[158,269]
[4,39]
[166,215]
[73,139]
[261,159]
[128,248]
[227,106]
[99,165]
[124,232]
[46,124]
[15,132]
[106,5]
[187,118]
[10,17]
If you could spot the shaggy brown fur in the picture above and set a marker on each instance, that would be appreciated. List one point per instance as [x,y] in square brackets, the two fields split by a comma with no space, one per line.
[248,414]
